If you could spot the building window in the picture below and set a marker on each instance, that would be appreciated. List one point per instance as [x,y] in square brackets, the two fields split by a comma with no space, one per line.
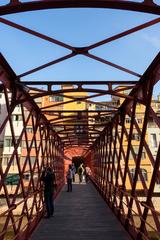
[16,117]
[6,160]
[56,98]
[143,171]
[136,136]
[143,156]
[139,120]
[144,174]
[51,98]
[8,142]
[32,160]
[12,179]
[29,129]
[136,150]
[153,140]
[26,176]
[128,120]
[99,107]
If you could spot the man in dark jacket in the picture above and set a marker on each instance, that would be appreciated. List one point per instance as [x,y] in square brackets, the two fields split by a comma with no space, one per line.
[48,178]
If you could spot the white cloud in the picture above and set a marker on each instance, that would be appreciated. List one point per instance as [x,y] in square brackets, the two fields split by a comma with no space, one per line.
[153,40]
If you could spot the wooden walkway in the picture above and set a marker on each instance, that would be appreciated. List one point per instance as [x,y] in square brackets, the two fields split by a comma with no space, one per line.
[80,215]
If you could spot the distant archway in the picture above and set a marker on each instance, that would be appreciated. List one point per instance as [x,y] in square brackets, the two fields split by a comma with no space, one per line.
[77,161]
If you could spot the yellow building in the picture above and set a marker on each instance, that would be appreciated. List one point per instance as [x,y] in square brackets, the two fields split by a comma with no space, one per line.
[79,118]
[145,166]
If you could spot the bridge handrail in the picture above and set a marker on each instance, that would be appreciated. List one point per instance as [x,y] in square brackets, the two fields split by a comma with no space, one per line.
[127,194]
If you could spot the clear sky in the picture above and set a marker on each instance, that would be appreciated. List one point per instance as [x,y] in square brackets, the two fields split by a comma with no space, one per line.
[80,27]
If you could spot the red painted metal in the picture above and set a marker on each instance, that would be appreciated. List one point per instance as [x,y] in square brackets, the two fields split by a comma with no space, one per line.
[125,203]
[82,50]
[25,200]
[103,144]
[16,6]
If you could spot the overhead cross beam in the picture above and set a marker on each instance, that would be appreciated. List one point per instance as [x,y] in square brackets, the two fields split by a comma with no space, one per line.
[75,50]
[16,6]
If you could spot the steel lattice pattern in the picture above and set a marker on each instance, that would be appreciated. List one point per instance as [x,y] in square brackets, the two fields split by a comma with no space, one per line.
[22,203]
[107,136]
[128,192]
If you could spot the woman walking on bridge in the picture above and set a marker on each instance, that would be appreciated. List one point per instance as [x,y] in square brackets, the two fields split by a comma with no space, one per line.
[69,178]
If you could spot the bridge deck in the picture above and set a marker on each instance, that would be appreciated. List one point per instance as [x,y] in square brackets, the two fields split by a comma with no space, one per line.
[80,215]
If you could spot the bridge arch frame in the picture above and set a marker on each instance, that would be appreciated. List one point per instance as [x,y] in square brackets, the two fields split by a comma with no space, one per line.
[15,6]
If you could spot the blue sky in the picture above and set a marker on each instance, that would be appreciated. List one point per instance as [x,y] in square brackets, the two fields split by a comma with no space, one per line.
[80,27]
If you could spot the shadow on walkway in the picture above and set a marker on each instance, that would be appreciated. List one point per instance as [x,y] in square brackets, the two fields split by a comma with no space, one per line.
[80,215]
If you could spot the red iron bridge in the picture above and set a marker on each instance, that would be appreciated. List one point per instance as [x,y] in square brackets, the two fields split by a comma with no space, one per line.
[118,139]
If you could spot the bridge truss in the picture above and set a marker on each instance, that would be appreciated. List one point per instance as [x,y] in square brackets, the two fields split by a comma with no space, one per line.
[104,134]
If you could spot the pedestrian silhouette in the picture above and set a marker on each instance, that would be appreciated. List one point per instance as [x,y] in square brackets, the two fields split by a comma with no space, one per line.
[48,178]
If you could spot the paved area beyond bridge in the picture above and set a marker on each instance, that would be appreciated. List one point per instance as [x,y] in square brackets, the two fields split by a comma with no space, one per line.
[81,215]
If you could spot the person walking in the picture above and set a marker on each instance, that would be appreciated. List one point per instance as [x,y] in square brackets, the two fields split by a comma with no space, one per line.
[73,172]
[48,178]
[87,173]
[69,179]
[80,173]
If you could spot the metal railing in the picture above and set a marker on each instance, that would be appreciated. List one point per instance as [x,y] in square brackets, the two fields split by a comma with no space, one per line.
[22,203]
[131,194]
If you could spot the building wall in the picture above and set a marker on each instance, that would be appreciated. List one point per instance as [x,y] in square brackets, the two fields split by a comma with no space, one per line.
[77,105]
[8,148]
[3,114]
[91,107]
[145,165]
